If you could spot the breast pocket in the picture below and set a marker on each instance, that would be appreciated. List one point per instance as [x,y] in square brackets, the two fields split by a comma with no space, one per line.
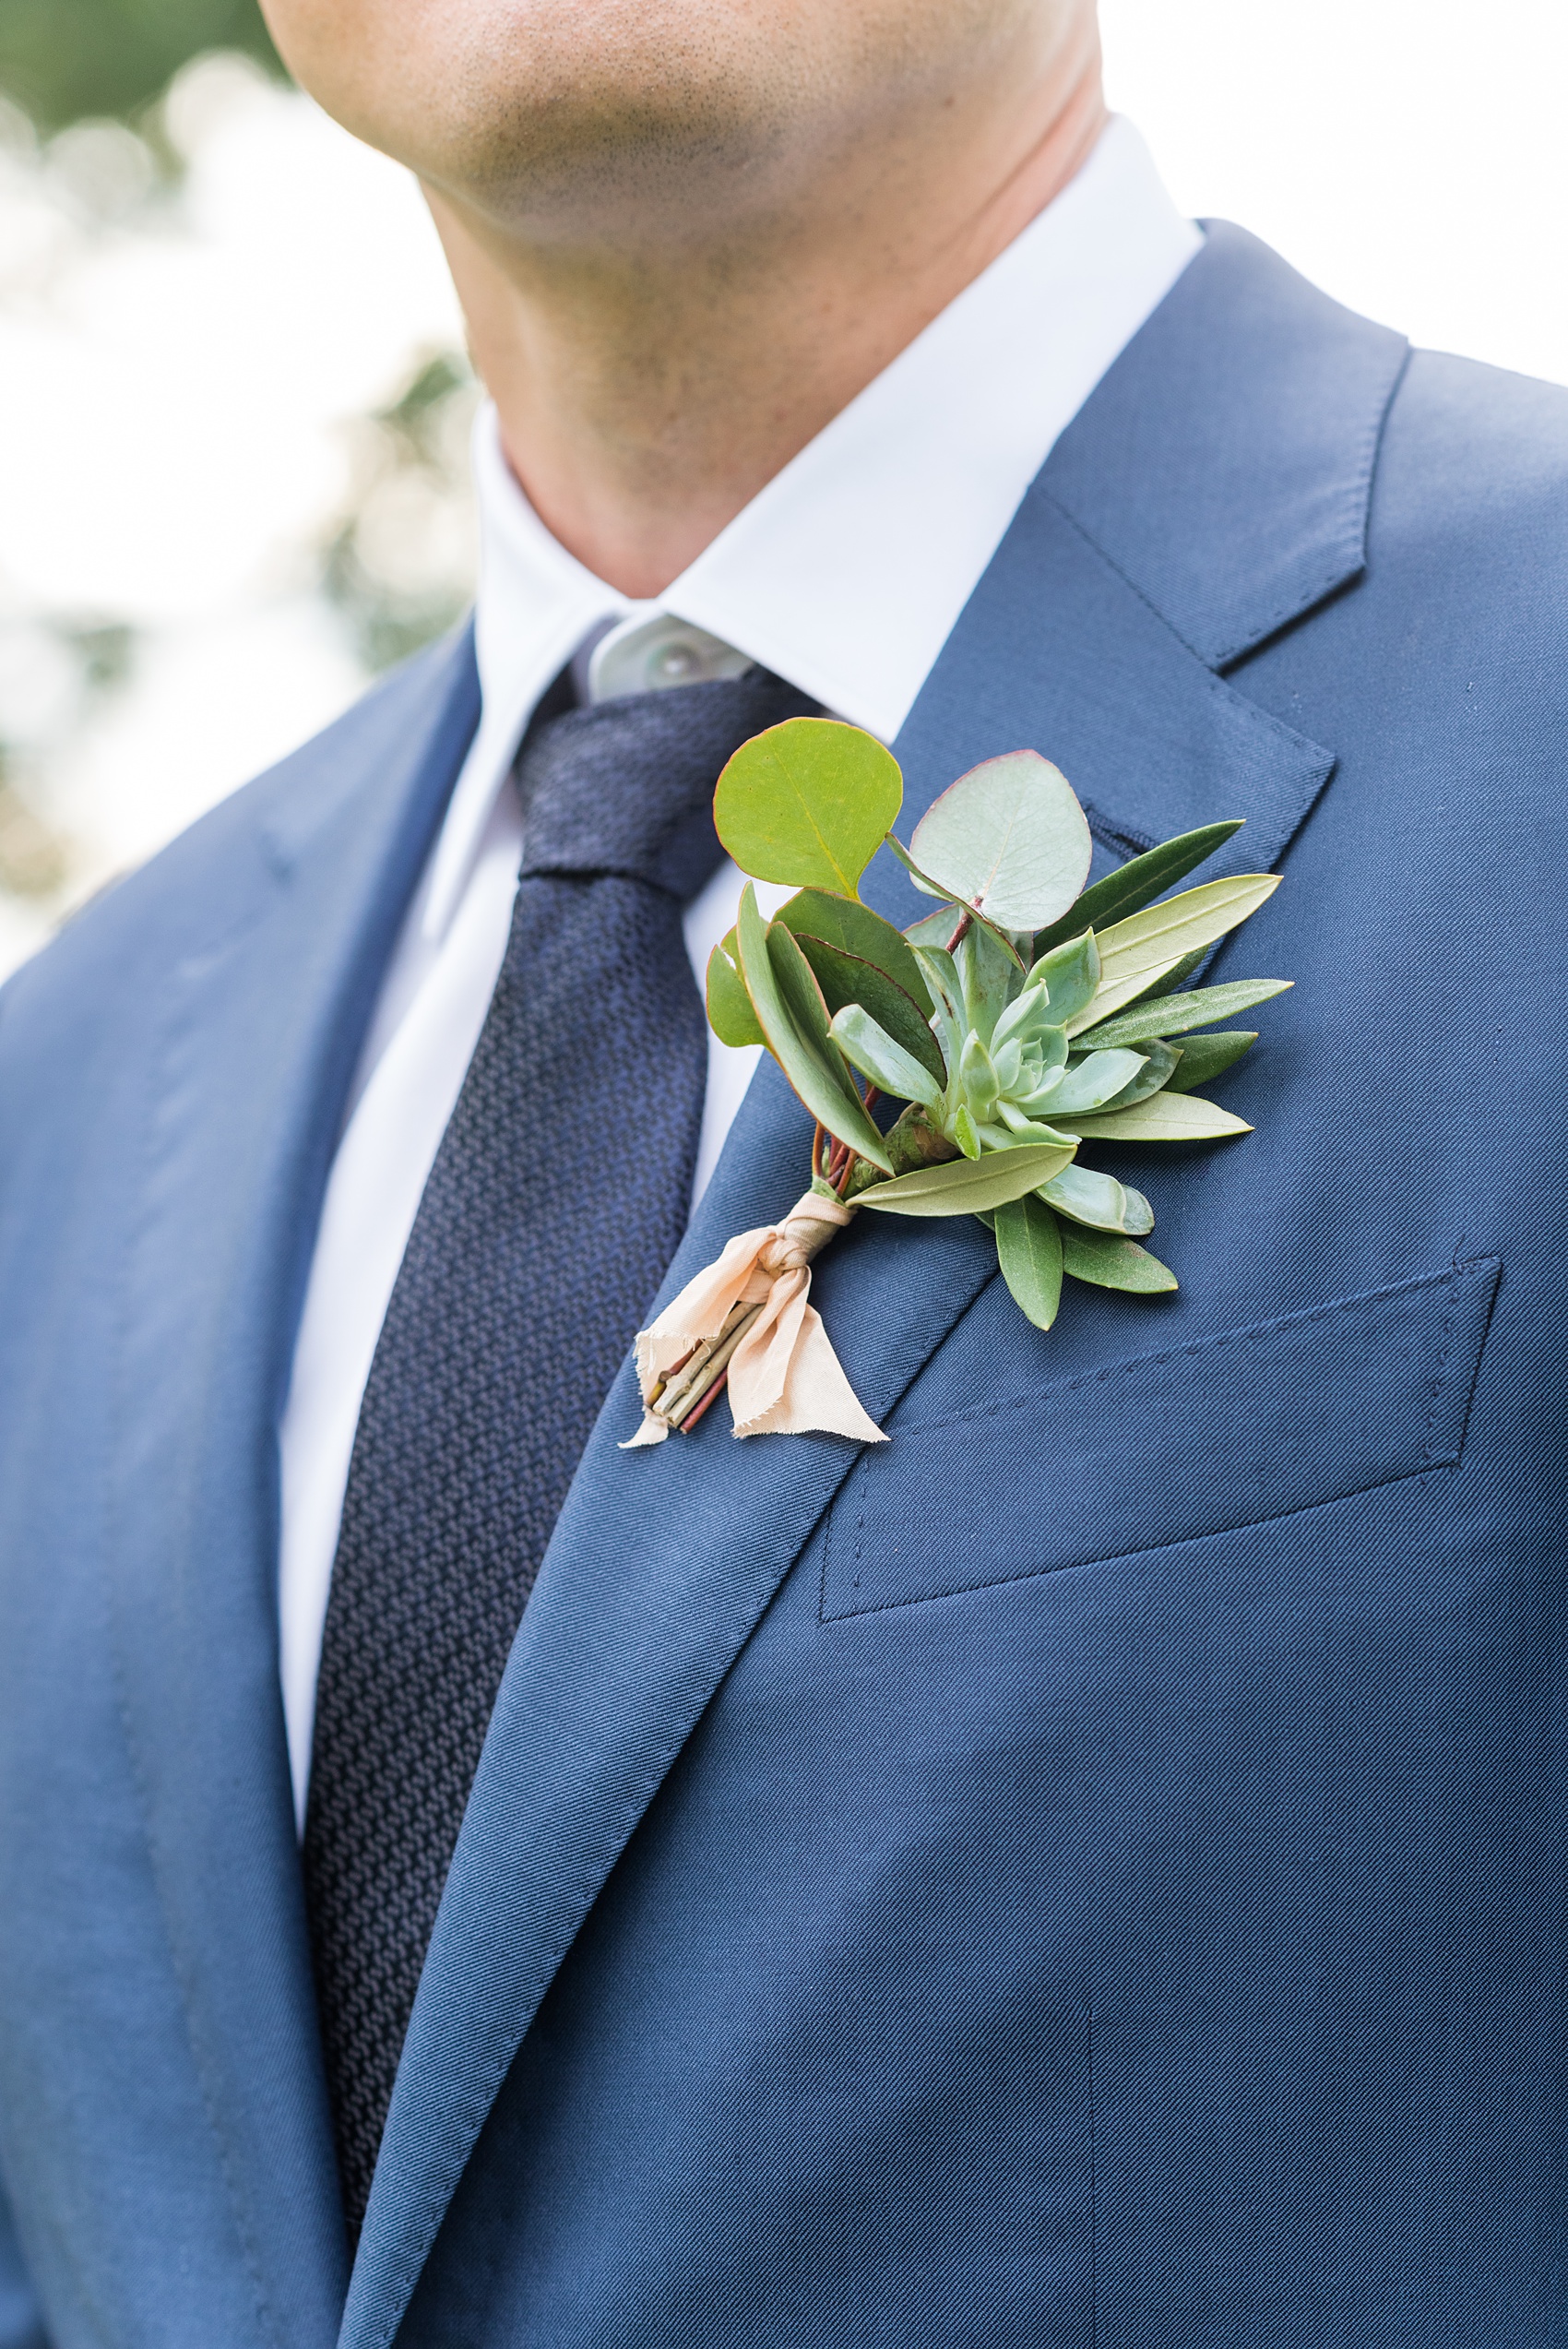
[1224,1432]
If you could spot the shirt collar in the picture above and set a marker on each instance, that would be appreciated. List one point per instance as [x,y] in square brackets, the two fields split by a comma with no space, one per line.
[847,571]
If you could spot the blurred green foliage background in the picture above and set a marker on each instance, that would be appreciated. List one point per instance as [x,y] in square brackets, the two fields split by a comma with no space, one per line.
[65,59]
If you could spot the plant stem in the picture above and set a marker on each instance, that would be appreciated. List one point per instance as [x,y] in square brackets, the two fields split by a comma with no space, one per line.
[707,1403]
[735,1327]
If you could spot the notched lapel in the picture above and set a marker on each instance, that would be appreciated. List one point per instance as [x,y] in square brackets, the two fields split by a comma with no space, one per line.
[288,926]
[1057,652]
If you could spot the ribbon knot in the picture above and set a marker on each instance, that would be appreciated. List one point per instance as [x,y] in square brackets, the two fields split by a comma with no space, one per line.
[748,1317]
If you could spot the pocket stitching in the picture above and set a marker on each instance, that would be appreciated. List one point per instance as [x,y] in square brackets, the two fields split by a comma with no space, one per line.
[1139,1549]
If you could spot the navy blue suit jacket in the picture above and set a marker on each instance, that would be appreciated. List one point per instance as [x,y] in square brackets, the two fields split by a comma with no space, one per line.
[1090,1872]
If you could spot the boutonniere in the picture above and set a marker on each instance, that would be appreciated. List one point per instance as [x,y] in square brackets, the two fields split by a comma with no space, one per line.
[1027,1015]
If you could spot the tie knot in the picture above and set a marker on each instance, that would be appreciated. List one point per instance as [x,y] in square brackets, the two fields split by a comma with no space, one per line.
[626,787]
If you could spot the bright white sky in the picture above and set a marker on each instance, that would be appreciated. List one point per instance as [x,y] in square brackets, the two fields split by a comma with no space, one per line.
[174,398]
[1408,155]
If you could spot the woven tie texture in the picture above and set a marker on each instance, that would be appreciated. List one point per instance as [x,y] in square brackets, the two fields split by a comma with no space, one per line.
[557,1197]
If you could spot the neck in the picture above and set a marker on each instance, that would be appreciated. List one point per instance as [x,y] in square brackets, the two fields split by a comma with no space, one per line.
[648,390]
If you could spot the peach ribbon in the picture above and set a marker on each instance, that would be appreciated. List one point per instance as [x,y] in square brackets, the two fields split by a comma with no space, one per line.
[750,1314]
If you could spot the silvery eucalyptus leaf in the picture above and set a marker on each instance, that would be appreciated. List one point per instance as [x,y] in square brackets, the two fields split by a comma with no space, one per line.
[1009,838]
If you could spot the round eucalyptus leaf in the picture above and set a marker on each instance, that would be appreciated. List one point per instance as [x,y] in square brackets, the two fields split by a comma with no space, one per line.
[1009,839]
[809,802]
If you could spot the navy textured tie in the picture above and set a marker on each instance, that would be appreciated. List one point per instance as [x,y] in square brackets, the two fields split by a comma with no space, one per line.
[555,1202]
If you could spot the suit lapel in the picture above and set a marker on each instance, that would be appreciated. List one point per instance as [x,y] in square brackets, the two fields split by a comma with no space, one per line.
[663,1561]
[239,1102]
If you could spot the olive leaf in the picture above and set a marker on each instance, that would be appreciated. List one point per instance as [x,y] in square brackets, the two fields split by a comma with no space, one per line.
[963,1186]
[793,1020]
[1151,940]
[729,1013]
[1175,1015]
[1008,840]
[1112,1263]
[1112,996]
[1168,1117]
[1028,1249]
[1206,1057]
[1025,1014]
[808,801]
[1134,885]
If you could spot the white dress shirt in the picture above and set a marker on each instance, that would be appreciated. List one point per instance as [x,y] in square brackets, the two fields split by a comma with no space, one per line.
[845,575]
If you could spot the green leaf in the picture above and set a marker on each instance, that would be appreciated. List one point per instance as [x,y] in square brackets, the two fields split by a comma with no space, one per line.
[793,1020]
[963,1186]
[1147,949]
[1136,884]
[876,1055]
[1160,1065]
[1179,925]
[932,929]
[844,979]
[1009,838]
[1028,1249]
[964,1134]
[1172,976]
[730,1012]
[935,925]
[808,801]
[1169,1117]
[1206,1057]
[1087,1087]
[1176,1014]
[990,974]
[1070,974]
[845,922]
[1099,1200]
[922,881]
[1111,999]
[1110,1263]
